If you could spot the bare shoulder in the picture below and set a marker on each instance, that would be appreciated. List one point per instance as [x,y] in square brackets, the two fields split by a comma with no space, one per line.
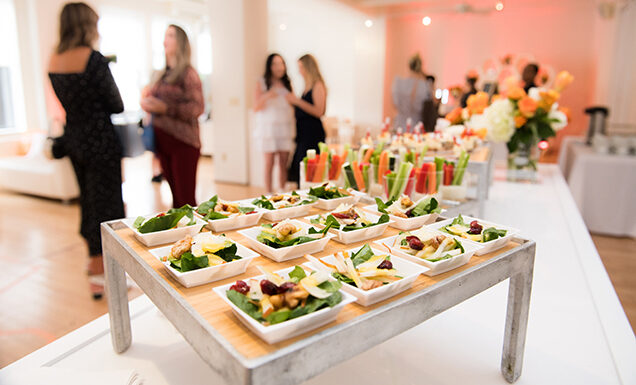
[70,61]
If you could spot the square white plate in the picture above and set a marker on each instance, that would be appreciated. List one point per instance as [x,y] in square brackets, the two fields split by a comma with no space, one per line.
[487,247]
[405,223]
[236,222]
[438,267]
[284,253]
[208,274]
[409,270]
[291,328]
[353,236]
[331,204]
[164,236]
[280,214]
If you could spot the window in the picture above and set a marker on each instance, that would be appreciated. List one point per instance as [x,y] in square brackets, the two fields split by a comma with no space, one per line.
[12,114]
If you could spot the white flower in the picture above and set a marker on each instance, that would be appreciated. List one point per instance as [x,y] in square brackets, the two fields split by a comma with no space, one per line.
[561,117]
[477,122]
[534,93]
[465,114]
[500,120]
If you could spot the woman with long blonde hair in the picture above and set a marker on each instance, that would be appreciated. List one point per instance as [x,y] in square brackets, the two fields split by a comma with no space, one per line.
[308,110]
[175,102]
[85,87]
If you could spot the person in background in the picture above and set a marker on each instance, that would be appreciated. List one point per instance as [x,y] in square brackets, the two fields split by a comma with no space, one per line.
[308,110]
[409,94]
[86,89]
[528,75]
[430,109]
[471,80]
[175,102]
[274,118]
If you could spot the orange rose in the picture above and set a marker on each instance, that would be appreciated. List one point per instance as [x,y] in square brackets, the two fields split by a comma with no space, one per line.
[477,103]
[520,121]
[495,97]
[527,106]
[548,98]
[455,116]
[563,79]
[516,93]
[567,113]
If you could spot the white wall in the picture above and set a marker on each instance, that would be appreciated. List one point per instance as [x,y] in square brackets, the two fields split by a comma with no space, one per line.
[351,56]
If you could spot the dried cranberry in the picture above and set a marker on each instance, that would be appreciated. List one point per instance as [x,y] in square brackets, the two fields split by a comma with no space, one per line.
[160,215]
[287,286]
[386,264]
[475,228]
[241,287]
[269,287]
[414,242]
[409,213]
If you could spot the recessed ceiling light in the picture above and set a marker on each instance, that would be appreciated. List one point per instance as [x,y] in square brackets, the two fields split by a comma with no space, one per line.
[426,20]
[282,27]
[368,23]
[499,6]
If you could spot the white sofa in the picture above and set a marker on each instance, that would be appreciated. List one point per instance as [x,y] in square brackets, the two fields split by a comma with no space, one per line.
[35,174]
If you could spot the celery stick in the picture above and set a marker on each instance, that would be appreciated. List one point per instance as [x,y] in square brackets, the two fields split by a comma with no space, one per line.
[323,147]
[401,180]
[390,181]
[365,175]
[350,180]
[461,167]
[311,154]
[439,167]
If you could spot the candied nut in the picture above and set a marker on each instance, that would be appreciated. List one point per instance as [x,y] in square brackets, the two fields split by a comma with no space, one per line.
[181,247]
[277,300]
[286,229]
[370,284]
[406,201]
[276,198]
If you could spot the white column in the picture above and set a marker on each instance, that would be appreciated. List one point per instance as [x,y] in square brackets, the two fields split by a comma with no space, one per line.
[239,48]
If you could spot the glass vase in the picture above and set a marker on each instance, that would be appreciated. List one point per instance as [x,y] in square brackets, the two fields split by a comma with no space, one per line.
[522,163]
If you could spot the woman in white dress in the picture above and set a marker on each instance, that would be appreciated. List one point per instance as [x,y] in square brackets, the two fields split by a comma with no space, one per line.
[274,118]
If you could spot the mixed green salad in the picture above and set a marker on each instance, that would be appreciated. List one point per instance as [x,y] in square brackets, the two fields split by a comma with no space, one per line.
[328,191]
[202,250]
[287,233]
[404,207]
[473,231]
[215,208]
[348,218]
[363,269]
[282,201]
[276,299]
[170,219]
[428,245]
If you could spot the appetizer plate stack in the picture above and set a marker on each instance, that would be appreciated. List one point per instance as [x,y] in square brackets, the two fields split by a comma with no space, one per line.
[485,247]
[408,270]
[208,274]
[284,253]
[165,236]
[290,328]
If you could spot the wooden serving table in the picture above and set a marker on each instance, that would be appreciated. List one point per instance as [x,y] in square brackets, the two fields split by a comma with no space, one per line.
[241,357]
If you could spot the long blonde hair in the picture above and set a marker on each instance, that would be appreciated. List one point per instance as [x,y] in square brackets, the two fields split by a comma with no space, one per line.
[311,69]
[183,57]
[78,27]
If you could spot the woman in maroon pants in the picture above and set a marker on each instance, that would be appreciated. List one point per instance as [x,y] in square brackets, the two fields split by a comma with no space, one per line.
[175,102]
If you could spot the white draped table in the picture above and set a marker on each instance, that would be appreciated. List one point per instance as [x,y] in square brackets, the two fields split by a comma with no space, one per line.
[577,330]
[603,187]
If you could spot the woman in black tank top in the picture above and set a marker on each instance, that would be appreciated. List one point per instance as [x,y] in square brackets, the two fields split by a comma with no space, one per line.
[308,111]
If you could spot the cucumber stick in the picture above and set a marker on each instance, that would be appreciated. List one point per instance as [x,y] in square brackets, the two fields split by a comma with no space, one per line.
[462,162]
[401,180]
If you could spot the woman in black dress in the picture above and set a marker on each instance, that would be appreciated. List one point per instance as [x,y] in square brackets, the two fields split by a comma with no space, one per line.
[84,85]
[308,110]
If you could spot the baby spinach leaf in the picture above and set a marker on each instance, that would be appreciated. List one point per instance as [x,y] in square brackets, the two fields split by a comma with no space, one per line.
[278,316]
[243,303]
[297,274]
[492,233]
[362,255]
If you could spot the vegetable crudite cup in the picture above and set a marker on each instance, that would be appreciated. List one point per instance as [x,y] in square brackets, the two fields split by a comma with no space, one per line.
[369,274]
[407,214]
[351,224]
[280,305]
[223,215]
[331,196]
[284,205]
[490,236]
[437,251]
[287,239]
[165,227]
[204,258]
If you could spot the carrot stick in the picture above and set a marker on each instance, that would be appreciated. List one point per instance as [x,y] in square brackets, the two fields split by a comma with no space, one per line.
[432,179]
[383,165]
[367,156]
[357,174]
[320,168]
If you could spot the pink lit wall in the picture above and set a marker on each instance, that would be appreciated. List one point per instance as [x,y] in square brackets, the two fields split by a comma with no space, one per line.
[561,35]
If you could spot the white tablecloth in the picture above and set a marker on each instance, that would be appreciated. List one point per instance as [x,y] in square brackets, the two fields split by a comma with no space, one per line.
[603,187]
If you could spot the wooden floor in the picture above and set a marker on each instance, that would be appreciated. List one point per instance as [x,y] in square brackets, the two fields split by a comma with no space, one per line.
[43,285]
